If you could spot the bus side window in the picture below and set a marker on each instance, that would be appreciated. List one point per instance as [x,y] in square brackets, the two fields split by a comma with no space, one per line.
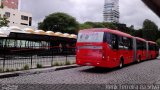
[114,41]
[130,44]
[121,44]
[139,45]
[107,38]
[126,42]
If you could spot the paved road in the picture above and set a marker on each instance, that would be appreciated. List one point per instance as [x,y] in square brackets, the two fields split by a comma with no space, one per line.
[147,72]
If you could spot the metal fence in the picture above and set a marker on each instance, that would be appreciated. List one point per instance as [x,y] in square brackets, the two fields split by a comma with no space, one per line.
[21,59]
[24,51]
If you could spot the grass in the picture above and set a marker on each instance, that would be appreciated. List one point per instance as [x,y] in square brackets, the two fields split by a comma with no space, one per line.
[7,70]
[17,69]
[39,65]
[56,64]
[1,70]
[26,67]
[12,70]
[68,63]
[73,62]
[62,64]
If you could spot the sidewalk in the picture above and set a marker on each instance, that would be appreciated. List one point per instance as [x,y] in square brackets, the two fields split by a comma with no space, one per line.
[36,71]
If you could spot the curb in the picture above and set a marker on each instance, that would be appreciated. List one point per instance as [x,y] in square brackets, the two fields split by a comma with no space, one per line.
[36,71]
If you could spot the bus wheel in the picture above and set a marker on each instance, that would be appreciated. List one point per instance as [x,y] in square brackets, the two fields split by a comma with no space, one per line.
[121,63]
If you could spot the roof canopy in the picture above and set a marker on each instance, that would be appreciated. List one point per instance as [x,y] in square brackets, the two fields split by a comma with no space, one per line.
[154,5]
[36,37]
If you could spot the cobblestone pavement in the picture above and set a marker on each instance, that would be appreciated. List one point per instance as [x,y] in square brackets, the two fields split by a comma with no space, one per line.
[147,72]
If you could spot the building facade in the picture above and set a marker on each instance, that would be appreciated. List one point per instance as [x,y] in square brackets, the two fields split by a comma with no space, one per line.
[111,11]
[14,16]
[13,4]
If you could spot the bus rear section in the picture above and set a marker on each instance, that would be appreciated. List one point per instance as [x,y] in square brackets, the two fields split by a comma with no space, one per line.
[104,48]
[90,49]
[152,50]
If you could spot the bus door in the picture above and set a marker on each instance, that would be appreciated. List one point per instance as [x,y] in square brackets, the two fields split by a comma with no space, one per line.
[127,52]
[114,51]
[130,50]
[134,50]
[144,51]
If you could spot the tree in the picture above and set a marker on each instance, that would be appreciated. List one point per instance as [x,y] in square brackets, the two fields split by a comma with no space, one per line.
[149,25]
[158,42]
[3,22]
[95,24]
[59,22]
[2,6]
[149,30]
[138,33]
[110,25]
[85,26]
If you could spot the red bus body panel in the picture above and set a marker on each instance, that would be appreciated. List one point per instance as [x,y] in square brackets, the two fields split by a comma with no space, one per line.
[141,54]
[105,57]
[100,54]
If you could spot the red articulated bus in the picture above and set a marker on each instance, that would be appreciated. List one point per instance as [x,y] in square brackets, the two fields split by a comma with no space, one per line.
[141,49]
[152,50]
[102,47]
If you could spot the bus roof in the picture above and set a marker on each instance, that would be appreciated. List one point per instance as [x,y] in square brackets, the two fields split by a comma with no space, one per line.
[107,30]
[141,39]
[152,42]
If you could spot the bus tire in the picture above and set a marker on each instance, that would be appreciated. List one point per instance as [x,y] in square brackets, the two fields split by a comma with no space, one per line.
[121,63]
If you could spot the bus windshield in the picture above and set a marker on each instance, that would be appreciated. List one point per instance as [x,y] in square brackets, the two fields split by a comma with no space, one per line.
[90,37]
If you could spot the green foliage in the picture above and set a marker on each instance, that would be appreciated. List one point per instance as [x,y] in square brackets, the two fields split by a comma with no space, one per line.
[17,69]
[39,65]
[110,25]
[12,70]
[158,34]
[95,24]
[3,21]
[1,70]
[138,33]
[149,25]
[85,26]
[149,30]
[61,64]
[73,62]
[68,63]
[7,70]
[26,67]
[88,25]
[158,42]
[59,22]
[56,64]
[62,22]
[2,6]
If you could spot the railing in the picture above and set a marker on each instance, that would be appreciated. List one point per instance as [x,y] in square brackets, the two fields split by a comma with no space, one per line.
[12,59]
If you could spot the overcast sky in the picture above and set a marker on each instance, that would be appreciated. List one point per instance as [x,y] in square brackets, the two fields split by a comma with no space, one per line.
[132,12]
